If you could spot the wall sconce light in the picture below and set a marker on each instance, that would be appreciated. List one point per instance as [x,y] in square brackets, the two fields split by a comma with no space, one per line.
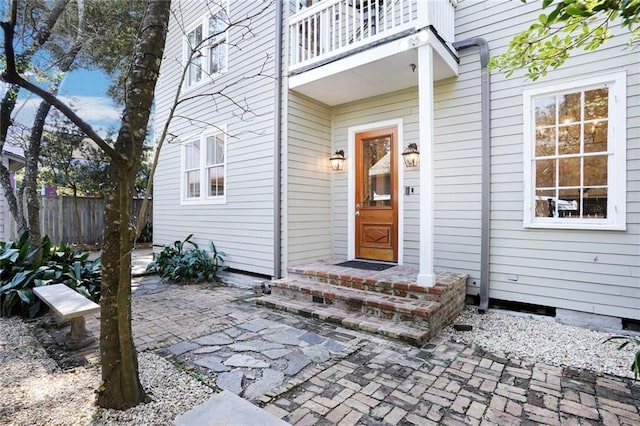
[337,161]
[411,156]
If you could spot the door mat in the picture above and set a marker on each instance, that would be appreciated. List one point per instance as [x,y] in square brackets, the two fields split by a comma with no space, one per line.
[368,266]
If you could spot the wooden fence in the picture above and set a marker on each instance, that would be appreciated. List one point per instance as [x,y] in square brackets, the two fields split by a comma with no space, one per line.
[58,220]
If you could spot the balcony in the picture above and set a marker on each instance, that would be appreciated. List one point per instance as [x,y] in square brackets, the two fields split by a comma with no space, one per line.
[367,47]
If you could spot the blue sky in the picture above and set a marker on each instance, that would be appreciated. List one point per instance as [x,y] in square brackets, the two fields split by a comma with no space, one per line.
[85,91]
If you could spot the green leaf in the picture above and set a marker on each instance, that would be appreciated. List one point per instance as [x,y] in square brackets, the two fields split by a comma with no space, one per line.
[25,295]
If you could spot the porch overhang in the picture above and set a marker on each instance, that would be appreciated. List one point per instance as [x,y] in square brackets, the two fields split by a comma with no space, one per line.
[387,67]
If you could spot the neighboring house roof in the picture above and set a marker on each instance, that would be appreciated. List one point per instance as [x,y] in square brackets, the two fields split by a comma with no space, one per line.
[15,154]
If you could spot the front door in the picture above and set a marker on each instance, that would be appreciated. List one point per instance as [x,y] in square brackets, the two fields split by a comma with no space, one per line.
[376,207]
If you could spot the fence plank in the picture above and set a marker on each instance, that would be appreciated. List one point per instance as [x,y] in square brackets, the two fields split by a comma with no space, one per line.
[58,220]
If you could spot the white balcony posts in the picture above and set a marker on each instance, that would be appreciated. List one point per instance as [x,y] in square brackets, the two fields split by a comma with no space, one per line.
[331,27]
[441,16]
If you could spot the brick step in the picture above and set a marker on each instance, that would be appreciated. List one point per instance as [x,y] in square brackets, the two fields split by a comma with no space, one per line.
[394,308]
[353,320]
[401,283]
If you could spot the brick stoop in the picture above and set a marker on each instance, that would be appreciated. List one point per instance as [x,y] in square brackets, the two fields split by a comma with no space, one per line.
[387,302]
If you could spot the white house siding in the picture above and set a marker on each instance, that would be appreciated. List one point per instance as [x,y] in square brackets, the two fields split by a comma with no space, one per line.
[398,105]
[457,173]
[242,227]
[308,180]
[590,271]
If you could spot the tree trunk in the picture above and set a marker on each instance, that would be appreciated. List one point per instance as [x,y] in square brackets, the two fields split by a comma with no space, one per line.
[30,183]
[121,386]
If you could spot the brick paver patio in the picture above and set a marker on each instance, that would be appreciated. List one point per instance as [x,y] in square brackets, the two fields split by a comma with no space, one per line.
[361,378]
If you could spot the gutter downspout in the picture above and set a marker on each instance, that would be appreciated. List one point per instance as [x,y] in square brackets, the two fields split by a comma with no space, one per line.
[485,93]
[277,129]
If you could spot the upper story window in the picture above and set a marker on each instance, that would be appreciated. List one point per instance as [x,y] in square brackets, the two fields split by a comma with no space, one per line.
[575,154]
[204,168]
[207,40]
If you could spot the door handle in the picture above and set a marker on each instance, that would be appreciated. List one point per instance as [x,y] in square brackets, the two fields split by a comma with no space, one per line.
[357,213]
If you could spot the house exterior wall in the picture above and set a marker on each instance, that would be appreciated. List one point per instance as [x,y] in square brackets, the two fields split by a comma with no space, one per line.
[308,180]
[398,105]
[593,271]
[243,225]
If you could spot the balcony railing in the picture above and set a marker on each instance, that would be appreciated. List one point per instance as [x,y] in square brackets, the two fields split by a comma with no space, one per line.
[331,27]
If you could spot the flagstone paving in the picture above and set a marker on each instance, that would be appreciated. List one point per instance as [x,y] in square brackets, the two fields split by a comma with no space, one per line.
[306,372]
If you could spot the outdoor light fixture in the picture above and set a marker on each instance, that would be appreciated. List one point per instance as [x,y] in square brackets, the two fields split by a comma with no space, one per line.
[337,161]
[411,155]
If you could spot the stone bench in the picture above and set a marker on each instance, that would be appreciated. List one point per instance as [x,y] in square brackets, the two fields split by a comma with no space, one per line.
[69,305]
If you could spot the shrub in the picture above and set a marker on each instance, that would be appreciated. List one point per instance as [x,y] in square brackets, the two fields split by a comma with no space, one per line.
[23,267]
[185,262]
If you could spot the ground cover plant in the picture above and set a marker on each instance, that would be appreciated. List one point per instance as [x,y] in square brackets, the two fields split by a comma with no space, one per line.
[635,365]
[23,267]
[185,262]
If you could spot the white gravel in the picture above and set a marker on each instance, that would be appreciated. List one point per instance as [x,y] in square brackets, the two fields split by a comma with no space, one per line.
[36,392]
[536,338]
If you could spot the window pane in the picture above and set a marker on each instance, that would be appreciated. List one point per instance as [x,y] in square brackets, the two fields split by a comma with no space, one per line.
[596,104]
[211,151]
[545,109]
[596,136]
[569,108]
[215,149]
[545,141]
[195,65]
[377,172]
[545,173]
[195,69]
[569,172]
[569,203]
[216,181]
[193,184]
[218,24]
[220,148]
[569,139]
[218,58]
[545,207]
[595,171]
[195,37]
[595,202]
[192,155]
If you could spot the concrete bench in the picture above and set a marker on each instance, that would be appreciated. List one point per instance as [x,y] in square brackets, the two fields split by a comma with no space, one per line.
[69,305]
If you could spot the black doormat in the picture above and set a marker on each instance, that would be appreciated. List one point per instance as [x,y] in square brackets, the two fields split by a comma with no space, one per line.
[369,266]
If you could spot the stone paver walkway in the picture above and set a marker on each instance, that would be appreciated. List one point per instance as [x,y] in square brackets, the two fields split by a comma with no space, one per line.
[306,372]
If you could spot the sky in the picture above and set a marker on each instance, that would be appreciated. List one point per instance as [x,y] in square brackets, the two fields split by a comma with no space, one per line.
[86,92]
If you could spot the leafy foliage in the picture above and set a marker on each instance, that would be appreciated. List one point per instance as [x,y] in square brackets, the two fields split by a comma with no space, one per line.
[185,262]
[571,24]
[22,269]
[635,365]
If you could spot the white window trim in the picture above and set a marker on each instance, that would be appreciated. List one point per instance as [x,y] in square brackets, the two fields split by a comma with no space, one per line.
[616,215]
[204,22]
[204,181]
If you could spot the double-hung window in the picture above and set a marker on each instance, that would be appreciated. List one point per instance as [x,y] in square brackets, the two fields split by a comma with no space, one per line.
[204,168]
[205,47]
[574,154]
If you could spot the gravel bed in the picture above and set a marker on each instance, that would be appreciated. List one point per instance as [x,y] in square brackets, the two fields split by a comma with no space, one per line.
[36,392]
[172,393]
[541,339]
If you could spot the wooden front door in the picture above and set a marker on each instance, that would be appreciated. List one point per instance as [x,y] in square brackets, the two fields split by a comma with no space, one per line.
[376,200]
